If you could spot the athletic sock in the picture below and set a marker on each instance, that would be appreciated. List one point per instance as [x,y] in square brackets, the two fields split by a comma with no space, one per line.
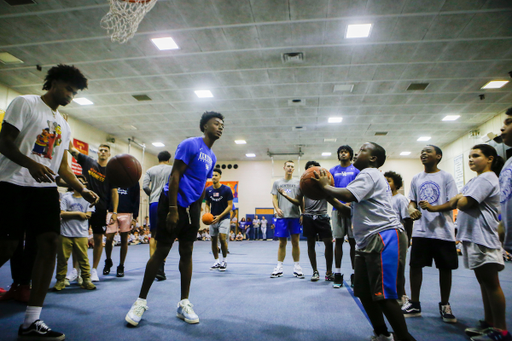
[217,260]
[279,264]
[31,315]
[142,300]
[337,271]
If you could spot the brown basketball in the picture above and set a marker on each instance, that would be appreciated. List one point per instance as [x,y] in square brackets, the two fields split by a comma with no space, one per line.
[207,218]
[310,187]
[123,170]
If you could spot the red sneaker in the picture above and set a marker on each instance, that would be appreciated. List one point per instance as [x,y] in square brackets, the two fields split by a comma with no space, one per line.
[9,295]
[2,291]
[23,293]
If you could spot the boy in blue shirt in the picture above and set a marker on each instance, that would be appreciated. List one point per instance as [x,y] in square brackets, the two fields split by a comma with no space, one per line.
[193,164]
[380,239]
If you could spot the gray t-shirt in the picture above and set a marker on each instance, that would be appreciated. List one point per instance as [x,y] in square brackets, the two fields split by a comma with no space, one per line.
[264,223]
[400,205]
[479,224]
[315,207]
[436,188]
[73,228]
[506,203]
[155,179]
[292,189]
[373,211]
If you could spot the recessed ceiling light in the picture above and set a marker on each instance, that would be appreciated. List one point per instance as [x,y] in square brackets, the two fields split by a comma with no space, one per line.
[203,93]
[240,141]
[494,85]
[166,43]
[343,88]
[158,144]
[451,118]
[405,153]
[326,154]
[83,101]
[330,140]
[424,138]
[8,58]
[335,119]
[358,31]
[250,155]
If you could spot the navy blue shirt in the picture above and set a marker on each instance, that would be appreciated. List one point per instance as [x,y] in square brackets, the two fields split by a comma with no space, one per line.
[218,199]
[129,200]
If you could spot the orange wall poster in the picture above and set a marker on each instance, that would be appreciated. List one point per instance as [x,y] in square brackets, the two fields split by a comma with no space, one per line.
[231,184]
[83,148]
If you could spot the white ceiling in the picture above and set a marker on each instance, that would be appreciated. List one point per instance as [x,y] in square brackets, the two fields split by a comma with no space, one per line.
[234,48]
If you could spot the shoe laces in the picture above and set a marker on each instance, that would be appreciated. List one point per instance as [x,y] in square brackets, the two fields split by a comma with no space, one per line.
[187,307]
[447,309]
[407,305]
[41,326]
[139,309]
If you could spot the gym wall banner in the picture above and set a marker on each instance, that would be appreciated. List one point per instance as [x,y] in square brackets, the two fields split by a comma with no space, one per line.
[83,148]
[231,184]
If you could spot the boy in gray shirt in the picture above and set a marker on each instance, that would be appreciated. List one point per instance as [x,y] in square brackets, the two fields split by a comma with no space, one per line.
[433,236]
[381,242]
[287,222]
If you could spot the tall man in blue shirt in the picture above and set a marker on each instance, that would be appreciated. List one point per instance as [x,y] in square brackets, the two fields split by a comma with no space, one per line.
[343,174]
[219,202]
[193,164]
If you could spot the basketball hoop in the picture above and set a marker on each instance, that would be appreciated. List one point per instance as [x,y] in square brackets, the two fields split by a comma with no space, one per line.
[124,18]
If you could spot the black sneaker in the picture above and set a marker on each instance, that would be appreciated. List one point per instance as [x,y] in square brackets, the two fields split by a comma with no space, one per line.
[160,275]
[108,265]
[482,329]
[352,281]
[316,276]
[446,313]
[120,271]
[338,281]
[223,266]
[39,331]
[411,309]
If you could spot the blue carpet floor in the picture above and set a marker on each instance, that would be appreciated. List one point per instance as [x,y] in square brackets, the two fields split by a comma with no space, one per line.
[243,303]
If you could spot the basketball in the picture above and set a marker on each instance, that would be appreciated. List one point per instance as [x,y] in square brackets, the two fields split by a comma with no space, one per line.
[207,218]
[310,187]
[123,170]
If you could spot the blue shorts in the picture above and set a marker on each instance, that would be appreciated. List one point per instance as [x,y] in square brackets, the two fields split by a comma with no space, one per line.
[153,216]
[286,227]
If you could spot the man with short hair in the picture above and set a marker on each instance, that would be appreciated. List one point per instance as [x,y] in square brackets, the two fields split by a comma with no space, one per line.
[288,219]
[96,174]
[154,181]
[179,211]
[219,202]
[33,143]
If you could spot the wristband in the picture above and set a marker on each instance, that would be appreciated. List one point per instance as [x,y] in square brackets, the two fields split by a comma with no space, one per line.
[114,212]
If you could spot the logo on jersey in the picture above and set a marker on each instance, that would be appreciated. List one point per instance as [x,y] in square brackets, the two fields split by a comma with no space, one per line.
[48,139]
[430,192]
[505,185]
[206,159]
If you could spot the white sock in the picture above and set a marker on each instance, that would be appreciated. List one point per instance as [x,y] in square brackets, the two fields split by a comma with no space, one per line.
[279,264]
[217,260]
[296,263]
[337,271]
[225,258]
[142,300]
[31,315]
[221,257]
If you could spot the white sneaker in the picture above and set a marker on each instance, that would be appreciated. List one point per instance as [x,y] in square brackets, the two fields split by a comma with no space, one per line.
[278,272]
[382,337]
[297,271]
[135,314]
[94,275]
[186,313]
[72,275]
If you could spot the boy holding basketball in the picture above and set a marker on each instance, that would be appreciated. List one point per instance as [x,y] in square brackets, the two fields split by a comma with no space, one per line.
[179,211]
[33,143]
[380,239]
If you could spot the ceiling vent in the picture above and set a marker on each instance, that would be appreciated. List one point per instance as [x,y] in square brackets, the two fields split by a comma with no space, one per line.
[343,88]
[141,97]
[417,86]
[381,133]
[297,102]
[292,57]
[299,128]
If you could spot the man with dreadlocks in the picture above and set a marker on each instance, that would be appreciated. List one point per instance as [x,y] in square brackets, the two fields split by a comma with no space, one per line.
[33,143]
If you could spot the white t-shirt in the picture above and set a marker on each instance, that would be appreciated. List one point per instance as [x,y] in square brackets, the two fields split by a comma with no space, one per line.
[400,205]
[506,203]
[436,188]
[264,223]
[479,224]
[373,211]
[74,228]
[42,137]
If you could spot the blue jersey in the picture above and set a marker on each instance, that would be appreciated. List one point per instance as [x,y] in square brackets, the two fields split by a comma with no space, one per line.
[343,175]
[199,160]
[218,199]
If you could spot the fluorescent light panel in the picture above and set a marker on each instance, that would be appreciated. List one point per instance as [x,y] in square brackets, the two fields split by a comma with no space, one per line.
[330,140]
[494,85]
[451,118]
[405,153]
[240,141]
[204,93]
[326,154]
[166,43]
[158,144]
[83,101]
[7,58]
[250,155]
[424,138]
[358,31]
[335,119]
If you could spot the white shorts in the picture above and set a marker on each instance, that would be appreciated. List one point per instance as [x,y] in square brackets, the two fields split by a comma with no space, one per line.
[475,255]
[221,227]
[341,226]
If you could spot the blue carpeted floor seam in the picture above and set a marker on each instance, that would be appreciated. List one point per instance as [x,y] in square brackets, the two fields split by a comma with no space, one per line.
[356,300]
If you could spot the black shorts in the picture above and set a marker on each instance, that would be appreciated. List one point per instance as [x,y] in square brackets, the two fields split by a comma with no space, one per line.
[34,210]
[424,250]
[313,225]
[188,222]
[98,221]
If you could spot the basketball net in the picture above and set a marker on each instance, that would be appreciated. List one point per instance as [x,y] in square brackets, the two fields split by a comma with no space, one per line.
[124,18]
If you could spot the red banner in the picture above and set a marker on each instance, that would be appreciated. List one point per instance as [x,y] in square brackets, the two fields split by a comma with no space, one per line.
[83,148]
